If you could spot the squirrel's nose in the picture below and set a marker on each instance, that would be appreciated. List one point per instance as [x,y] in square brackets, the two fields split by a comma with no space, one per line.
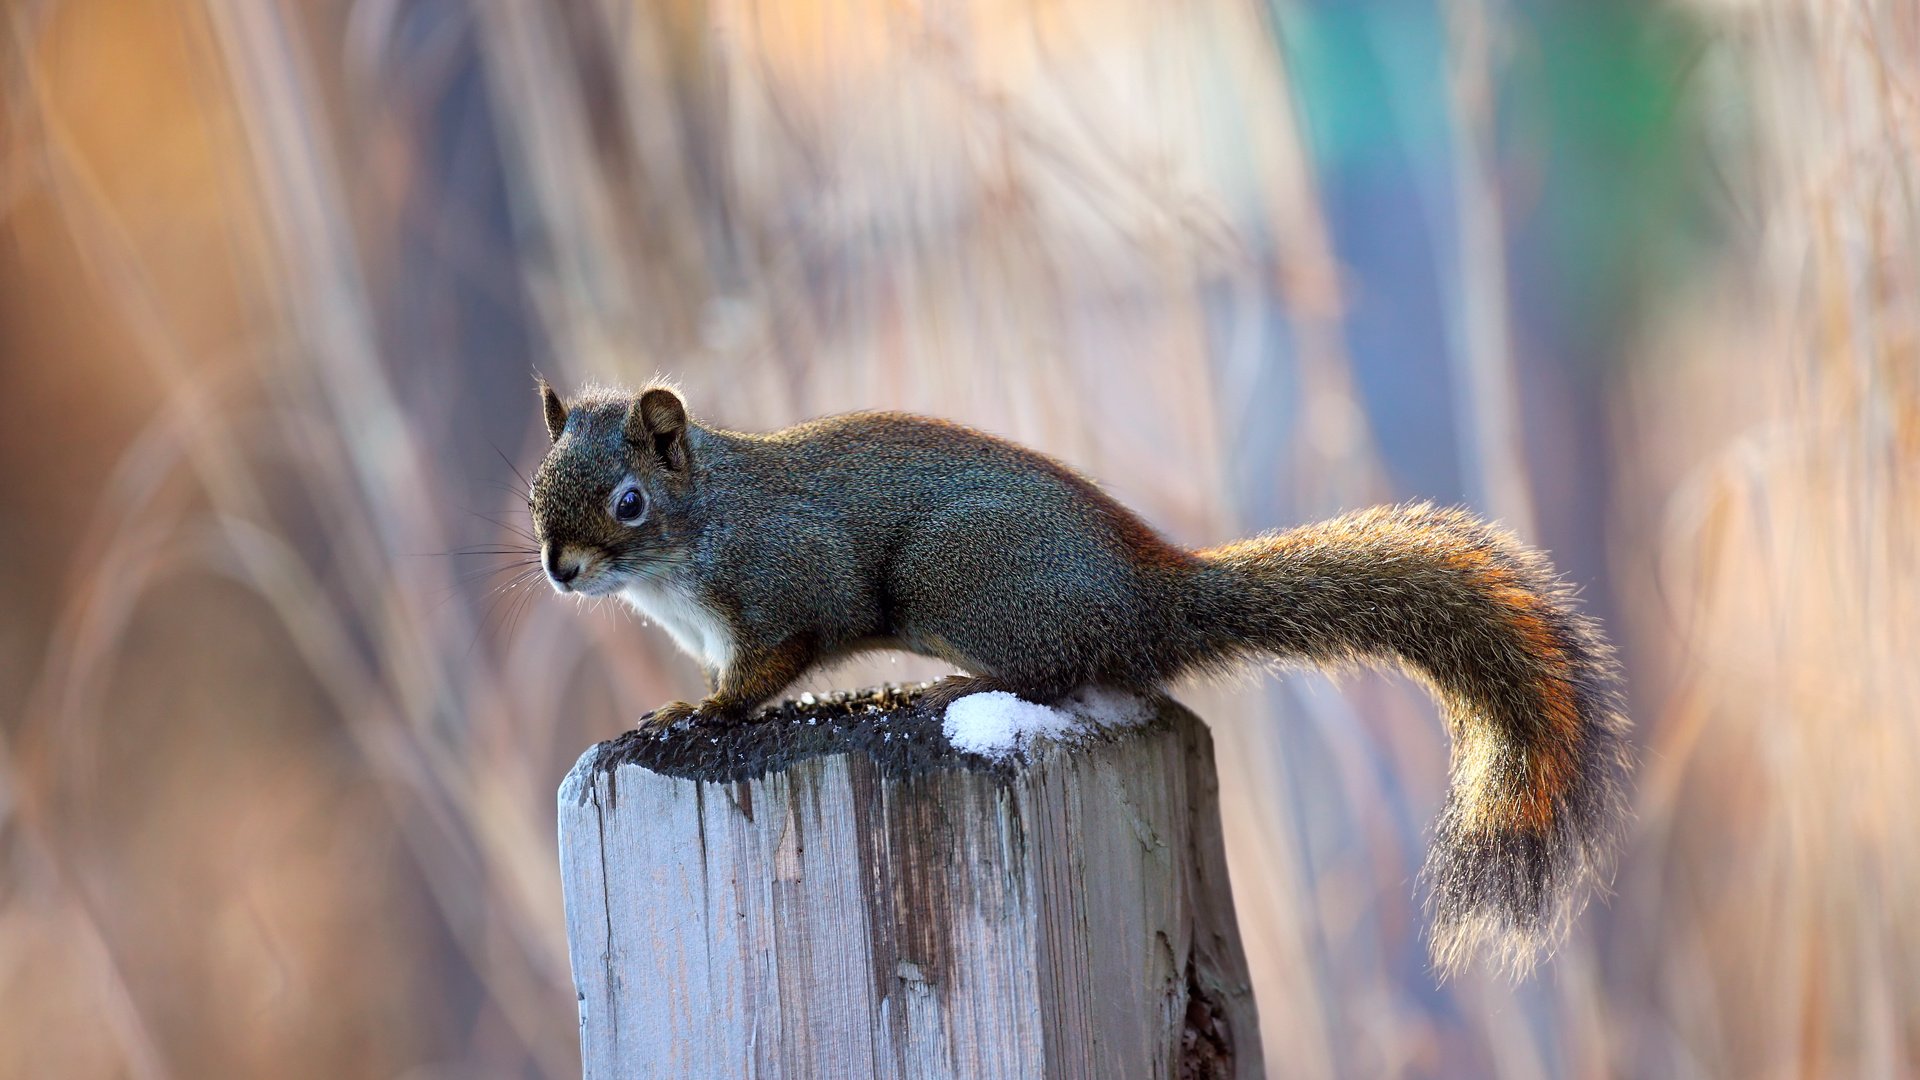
[560,570]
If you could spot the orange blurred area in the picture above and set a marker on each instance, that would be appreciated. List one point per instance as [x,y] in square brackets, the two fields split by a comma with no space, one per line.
[282,718]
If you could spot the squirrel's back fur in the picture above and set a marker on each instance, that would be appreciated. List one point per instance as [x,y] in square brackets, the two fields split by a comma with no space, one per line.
[886,530]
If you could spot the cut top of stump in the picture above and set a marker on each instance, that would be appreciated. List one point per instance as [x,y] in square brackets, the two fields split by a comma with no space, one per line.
[893,727]
[861,885]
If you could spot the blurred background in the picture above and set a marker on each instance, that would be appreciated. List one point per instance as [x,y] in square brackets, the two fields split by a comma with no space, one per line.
[277,766]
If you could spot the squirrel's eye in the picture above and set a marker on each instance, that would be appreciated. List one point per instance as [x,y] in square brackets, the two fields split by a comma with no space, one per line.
[628,506]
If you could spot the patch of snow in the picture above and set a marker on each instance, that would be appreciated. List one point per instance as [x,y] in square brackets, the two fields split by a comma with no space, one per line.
[997,724]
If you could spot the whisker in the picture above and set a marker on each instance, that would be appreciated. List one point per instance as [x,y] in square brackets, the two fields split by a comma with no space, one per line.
[460,582]
[520,494]
[517,610]
[518,530]
[504,602]
[524,482]
[489,571]
[481,549]
[525,575]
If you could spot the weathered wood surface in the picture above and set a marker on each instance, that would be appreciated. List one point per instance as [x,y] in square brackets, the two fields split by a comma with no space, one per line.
[836,892]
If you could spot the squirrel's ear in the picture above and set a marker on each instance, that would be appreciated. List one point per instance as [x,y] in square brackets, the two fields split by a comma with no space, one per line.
[658,422]
[555,410]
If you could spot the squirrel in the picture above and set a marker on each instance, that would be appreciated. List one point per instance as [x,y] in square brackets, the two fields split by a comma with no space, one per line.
[765,555]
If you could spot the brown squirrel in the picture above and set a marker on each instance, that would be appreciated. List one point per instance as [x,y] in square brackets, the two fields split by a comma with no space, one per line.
[764,555]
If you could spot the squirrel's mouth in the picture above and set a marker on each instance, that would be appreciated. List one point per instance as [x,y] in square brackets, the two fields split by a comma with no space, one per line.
[578,570]
[596,584]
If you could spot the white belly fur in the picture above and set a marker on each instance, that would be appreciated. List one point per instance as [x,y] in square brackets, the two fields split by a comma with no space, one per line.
[694,626]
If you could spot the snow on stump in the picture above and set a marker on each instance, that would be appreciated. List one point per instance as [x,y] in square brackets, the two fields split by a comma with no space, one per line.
[857,887]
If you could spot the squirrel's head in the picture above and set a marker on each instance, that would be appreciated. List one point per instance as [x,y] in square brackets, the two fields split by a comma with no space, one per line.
[610,498]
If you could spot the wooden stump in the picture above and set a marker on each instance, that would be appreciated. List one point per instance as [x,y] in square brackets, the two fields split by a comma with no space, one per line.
[835,891]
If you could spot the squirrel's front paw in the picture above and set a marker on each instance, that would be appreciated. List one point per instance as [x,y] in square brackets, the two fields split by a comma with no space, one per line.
[667,716]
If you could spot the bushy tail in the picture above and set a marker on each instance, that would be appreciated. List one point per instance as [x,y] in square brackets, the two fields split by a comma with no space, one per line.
[1538,791]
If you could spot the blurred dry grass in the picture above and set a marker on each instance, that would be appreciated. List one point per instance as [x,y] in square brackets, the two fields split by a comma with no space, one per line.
[276,773]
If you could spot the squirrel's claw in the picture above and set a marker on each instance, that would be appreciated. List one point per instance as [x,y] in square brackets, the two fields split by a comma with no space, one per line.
[667,717]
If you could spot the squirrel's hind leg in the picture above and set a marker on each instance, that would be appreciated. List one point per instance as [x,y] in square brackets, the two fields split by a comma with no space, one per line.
[945,692]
